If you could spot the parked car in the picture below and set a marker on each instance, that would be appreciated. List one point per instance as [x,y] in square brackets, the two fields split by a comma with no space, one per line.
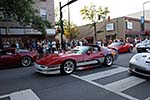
[79,57]
[121,46]
[142,46]
[141,43]
[10,57]
[140,64]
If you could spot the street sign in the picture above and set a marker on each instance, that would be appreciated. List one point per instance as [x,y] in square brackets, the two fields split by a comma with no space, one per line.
[142,19]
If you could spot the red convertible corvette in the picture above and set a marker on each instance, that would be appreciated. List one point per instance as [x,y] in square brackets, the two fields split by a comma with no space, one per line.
[77,58]
[121,47]
[10,57]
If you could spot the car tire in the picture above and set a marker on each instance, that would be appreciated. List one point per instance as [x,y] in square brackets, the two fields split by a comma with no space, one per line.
[130,49]
[108,61]
[26,61]
[67,67]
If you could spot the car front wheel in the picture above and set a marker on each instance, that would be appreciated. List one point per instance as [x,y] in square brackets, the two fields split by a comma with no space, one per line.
[130,49]
[26,61]
[67,67]
[108,60]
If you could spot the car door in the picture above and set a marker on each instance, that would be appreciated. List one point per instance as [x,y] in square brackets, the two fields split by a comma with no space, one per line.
[93,56]
[8,58]
[123,47]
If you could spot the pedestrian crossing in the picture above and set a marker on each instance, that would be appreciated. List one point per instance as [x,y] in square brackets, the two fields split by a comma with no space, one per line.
[117,86]
[20,95]
[103,73]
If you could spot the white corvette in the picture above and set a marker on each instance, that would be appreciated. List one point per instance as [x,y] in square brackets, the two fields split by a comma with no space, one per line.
[140,64]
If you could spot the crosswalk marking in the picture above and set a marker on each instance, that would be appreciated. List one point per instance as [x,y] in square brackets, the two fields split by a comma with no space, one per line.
[22,95]
[124,84]
[117,86]
[101,86]
[104,73]
[147,98]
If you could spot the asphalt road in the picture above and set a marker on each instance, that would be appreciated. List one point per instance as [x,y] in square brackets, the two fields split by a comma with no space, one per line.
[102,83]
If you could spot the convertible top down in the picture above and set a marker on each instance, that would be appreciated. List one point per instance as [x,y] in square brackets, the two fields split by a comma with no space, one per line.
[80,56]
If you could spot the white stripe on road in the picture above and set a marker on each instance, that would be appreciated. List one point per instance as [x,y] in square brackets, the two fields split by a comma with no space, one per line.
[4,96]
[22,95]
[104,73]
[115,87]
[101,86]
[147,98]
[124,84]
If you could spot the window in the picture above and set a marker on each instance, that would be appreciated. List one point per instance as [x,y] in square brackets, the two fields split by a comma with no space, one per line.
[43,13]
[110,27]
[129,25]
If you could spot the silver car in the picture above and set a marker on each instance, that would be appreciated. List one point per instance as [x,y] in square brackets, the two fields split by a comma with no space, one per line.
[142,46]
[140,64]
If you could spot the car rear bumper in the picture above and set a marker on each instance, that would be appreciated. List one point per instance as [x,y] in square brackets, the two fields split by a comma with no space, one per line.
[47,70]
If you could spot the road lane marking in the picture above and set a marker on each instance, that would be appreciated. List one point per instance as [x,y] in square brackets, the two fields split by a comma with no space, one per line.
[102,74]
[147,98]
[101,86]
[22,95]
[124,84]
[4,96]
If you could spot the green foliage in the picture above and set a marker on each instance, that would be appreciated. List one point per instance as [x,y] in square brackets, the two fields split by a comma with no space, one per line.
[70,30]
[23,12]
[91,13]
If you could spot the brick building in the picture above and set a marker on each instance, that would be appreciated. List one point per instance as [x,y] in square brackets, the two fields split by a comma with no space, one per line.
[122,27]
[11,30]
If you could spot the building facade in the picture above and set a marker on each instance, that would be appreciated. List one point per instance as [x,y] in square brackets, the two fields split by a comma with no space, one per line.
[11,30]
[122,27]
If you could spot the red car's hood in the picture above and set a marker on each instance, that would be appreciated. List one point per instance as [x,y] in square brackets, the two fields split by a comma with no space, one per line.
[53,58]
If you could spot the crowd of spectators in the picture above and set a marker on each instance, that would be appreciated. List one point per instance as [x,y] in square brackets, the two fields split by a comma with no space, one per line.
[46,46]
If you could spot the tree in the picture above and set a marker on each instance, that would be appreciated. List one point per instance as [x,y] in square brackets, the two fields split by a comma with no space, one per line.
[23,12]
[91,13]
[70,30]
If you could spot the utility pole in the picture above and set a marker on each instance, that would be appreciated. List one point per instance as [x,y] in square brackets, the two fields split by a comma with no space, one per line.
[61,21]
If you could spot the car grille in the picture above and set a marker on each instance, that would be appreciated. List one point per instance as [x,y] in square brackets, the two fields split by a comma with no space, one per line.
[142,71]
[132,66]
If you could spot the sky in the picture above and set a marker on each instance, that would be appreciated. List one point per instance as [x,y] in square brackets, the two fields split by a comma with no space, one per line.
[117,8]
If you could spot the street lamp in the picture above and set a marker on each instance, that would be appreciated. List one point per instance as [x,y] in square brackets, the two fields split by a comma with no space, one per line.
[61,21]
[143,17]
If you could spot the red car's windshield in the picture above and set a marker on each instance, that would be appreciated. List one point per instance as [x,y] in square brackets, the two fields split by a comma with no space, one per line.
[114,44]
[80,49]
